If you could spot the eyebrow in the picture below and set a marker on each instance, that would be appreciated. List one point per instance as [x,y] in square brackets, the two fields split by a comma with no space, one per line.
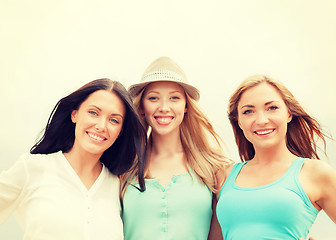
[248,105]
[151,92]
[177,91]
[252,106]
[113,114]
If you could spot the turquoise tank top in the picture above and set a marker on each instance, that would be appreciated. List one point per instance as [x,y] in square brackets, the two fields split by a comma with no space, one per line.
[279,210]
[181,210]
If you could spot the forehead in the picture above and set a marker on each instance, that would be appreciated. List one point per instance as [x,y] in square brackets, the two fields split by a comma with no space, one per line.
[106,101]
[164,86]
[260,93]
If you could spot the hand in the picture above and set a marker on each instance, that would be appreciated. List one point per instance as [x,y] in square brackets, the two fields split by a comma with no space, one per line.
[308,238]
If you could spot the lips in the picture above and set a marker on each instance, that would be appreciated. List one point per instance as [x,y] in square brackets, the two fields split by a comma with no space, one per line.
[264,132]
[96,137]
[163,120]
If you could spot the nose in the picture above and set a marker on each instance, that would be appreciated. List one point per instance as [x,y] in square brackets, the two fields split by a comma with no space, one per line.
[164,106]
[101,124]
[261,118]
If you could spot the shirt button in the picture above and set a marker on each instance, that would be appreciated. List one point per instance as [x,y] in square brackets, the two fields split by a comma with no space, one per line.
[164,228]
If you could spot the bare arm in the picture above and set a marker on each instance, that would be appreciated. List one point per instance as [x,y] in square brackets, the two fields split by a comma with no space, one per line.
[215,232]
[327,186]
[319,182]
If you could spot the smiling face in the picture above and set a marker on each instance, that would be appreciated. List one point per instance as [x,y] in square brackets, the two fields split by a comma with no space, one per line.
[263,116]
[99,121]
[164,106]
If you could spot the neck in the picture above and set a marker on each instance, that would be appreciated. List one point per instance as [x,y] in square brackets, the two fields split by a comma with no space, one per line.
[83,162]
[273,155]
[166,144]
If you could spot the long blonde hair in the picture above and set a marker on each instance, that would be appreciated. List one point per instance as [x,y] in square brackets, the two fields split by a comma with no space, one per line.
[301,130]
[202,145]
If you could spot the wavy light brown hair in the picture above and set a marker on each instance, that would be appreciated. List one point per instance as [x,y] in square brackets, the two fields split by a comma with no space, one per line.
[302,131]
[202,145]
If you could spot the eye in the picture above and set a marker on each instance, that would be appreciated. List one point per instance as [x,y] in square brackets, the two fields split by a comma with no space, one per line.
[93,112]
[272,108]
[114,121]
[152,98]
[175,98]
[246,112]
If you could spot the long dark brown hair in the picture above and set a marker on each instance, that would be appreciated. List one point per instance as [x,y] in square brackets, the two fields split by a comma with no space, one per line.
[59,133]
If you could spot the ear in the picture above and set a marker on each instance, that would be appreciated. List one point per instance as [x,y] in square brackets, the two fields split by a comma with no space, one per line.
[141,112]
[185,109]
[120,133]
[238,122]
[74,116]
[290,116]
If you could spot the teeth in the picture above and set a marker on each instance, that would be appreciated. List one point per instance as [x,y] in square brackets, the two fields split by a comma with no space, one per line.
[264,132]
[96,137]
[164,120]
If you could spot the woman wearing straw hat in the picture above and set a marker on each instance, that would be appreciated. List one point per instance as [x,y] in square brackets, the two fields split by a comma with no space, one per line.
[181,162]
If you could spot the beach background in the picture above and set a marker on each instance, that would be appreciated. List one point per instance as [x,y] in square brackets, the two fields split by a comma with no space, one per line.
[50,48]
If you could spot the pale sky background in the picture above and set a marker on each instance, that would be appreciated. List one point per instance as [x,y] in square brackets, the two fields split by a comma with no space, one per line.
[50,48]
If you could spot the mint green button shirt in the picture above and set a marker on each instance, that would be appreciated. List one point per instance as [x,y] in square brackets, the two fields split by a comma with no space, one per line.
[181,210]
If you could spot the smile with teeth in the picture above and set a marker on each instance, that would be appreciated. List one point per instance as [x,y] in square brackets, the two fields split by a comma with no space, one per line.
[264,132]
[164,120]
[96,137]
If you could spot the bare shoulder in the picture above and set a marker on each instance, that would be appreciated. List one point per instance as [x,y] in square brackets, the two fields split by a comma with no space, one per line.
[228,169]
[222,175]
[319,181]
[318,170]
[225,171]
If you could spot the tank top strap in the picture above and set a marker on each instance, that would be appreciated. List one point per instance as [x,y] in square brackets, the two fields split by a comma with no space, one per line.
[235,171]
[292,180]
[291,176]
[295,168]
[232,175]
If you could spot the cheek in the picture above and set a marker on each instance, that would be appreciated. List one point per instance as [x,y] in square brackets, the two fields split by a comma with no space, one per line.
[281,119]
[148,109]
[114,131]
[284,124]
[148,112]
[148,119]
[242,122]
[181,108]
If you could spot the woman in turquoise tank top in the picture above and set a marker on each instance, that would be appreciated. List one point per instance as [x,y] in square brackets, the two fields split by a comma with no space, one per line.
[181,160]
[279,188]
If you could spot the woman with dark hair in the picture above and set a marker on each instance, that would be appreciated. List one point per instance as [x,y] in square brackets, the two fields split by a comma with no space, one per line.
[68,186]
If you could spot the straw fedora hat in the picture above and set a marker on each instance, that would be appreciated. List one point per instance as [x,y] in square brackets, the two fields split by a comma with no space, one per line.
[164,69]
